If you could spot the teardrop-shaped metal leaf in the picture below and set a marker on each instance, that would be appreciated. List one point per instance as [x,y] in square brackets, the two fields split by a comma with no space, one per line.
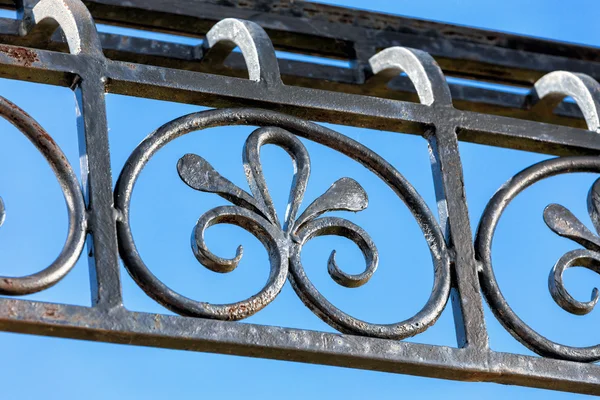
[593,203]
[2,212]
[564,223]
[256,178]
[198,174]
[344,195]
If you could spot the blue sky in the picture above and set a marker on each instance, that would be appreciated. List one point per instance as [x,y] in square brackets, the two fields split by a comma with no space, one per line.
[164,211]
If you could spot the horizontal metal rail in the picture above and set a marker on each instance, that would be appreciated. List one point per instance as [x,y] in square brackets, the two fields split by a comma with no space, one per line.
[353,35]
[156,330]
[370,112]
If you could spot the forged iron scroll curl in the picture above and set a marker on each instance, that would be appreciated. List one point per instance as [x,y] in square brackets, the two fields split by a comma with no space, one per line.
[73,198]
[284,242]
[549,90]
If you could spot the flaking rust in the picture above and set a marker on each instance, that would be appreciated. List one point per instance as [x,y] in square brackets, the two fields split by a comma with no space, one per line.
[22,55]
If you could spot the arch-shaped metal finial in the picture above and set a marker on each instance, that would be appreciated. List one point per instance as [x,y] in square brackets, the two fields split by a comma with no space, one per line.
[553,87]
[254,43]
[421,68]
[73,18]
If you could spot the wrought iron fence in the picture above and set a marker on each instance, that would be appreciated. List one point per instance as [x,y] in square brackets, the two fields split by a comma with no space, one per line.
[462,268]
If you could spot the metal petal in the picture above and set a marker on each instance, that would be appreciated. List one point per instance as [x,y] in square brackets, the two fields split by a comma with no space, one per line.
[198,174]
[256,179]
[344,195]
[565,224]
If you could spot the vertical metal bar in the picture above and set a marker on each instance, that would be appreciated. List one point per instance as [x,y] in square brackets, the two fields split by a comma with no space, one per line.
[454,218]
[433,91]
[360,65]
[97,184]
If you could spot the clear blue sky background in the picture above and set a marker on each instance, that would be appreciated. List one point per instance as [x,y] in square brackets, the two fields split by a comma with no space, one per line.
[164,211]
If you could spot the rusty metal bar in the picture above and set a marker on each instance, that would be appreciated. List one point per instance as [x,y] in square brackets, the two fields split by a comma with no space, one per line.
[370,112]
[156,330]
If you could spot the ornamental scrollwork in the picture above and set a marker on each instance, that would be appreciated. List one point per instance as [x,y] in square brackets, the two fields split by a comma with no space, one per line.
[283,240]
[257,214]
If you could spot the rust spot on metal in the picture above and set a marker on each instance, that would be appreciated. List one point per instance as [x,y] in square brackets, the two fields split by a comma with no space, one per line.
[235,311]
[46,135]
[22,55]
[51,311]
[38,128]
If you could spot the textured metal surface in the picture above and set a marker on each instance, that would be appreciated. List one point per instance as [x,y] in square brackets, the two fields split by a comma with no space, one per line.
[257,215]
[333,32]
[462,268]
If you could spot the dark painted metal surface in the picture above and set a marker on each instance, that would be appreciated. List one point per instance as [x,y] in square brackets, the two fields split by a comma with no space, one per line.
[462,268]
[347,34]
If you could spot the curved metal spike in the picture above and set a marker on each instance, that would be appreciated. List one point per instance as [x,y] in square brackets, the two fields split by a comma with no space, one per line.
[254,43]
[421,68]
[74,19]
[552,88]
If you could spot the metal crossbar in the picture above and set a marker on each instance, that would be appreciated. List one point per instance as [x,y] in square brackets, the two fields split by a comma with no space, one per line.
[462,267]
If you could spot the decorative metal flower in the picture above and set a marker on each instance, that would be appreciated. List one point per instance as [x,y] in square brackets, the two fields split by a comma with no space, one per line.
[564,223]
[256,213]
